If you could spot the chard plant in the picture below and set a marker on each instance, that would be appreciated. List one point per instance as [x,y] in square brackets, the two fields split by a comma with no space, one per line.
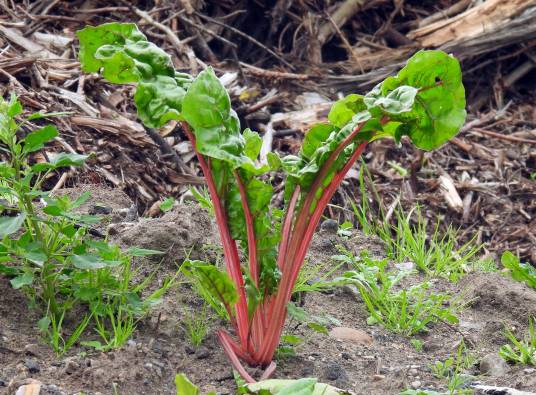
[425,101]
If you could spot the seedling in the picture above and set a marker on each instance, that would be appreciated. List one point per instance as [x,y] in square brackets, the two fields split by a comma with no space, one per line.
[519,271]
[196,325]
[453,370]
[425,101]
[521,351]
[407,311]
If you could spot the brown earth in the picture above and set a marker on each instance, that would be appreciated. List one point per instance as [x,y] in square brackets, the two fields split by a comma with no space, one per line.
[160,349]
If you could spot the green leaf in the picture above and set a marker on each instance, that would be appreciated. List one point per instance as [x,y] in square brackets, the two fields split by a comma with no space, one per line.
[159,100]
[207,109]
[37,139]
[60,160]
[304,386]
[92,262]
[103,48]
[14,107]
[185,386]
[218,284]
[22,280]
[167,204]
[43,324]
[97,345]
[136,251]
[438,109]
[9,225]
[344,109]
[519,271]
[291,339]
[122,54]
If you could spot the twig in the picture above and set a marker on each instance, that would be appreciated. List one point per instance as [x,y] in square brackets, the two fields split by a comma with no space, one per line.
[274,74]
[177,43]
[247,37]
[208,31]
[166,149]
[346,43]
[102,10]
[504,136]
[341,15]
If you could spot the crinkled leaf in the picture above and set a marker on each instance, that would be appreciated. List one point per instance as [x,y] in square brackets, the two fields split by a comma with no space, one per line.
[159,100]
[344,109]
[438,111]
[122,54]
[207,109]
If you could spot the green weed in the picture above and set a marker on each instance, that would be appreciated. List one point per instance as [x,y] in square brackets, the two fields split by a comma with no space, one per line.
[46,251]
[453,370]
[520,351]
[402,310]
[196,325]
[520,271]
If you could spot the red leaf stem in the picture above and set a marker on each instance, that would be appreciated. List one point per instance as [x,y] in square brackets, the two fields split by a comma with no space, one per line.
[225,340]
[230,252]
[298,243]
[257,330]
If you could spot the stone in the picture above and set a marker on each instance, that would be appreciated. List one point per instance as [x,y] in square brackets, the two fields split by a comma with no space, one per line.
[335,372]
[378,377]
[330,226]
[71,367]
[493,365]
[416,384]
[99,209]
[32,365]
[29,389]
[350,334]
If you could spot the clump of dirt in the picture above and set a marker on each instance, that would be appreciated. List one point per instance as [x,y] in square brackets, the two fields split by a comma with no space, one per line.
[184,232]
[160,348]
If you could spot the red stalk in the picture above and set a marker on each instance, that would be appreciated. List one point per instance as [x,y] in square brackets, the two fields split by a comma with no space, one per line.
[228,348]
[300,242]
[257,330]
[289,216]
[232,260]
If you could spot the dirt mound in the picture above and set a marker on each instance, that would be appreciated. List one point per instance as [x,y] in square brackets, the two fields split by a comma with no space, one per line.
[498,302]
[186,231]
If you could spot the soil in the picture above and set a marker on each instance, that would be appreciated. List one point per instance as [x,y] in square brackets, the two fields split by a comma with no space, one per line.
[159,349]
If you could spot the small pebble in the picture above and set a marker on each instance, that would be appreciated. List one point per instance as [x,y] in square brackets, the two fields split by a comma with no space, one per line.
[378,377]
[413,372]
[415,384]
[330,226]
[32,366]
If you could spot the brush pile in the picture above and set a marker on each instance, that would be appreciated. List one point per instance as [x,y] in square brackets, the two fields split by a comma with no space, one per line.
[284,63]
